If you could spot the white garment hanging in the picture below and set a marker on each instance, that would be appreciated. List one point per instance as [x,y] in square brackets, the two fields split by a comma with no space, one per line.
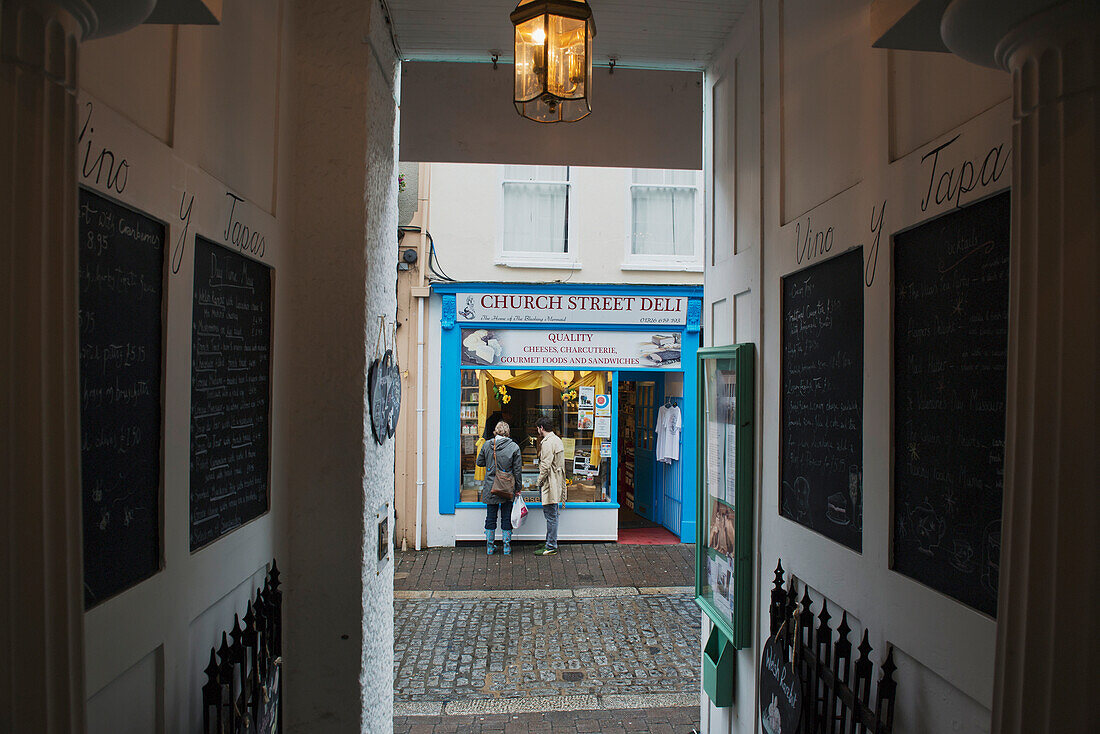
[659,429]
[673,424]
[669,423]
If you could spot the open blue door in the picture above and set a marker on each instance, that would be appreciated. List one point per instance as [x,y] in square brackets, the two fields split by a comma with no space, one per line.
[669,486]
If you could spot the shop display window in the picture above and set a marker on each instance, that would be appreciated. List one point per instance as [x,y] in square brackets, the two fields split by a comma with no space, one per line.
[519,397]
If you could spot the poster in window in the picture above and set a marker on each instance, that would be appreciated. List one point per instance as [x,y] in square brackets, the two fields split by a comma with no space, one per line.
[603,427]
[587,398]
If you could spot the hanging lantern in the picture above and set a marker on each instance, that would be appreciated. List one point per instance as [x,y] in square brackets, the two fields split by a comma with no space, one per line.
[553,67]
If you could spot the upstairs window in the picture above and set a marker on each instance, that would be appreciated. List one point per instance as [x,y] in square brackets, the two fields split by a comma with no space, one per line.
[536,210]
[664,214]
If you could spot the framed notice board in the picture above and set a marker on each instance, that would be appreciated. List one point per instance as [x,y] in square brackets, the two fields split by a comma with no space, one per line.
[950,376]
[821,410]
[230,391]
[723,545]
[121,291]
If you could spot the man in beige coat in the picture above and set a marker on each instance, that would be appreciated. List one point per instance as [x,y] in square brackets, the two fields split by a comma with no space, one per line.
[551,482]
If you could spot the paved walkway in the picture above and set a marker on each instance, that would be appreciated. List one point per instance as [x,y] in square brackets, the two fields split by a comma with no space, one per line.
[600,638]
[576,565]
[658,720]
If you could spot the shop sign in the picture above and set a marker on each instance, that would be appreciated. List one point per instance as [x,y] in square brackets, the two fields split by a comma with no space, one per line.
[523,349]
[384,386]
[560,308]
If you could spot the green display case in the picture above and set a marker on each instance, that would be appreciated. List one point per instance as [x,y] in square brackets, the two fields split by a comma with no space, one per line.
[723,545]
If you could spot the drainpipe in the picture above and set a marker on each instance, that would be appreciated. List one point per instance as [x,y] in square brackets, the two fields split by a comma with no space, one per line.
[421,293]
[419,417]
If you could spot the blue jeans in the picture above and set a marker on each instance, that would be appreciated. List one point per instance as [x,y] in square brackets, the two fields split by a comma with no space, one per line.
[505,508]
[551,513]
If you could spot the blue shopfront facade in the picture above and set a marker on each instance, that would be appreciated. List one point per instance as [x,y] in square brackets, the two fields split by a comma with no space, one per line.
[603,362]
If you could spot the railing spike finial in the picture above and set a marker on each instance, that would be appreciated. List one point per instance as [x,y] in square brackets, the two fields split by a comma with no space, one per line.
[887,691]
[865,647]
[212,668]
[843,629]
[888,665]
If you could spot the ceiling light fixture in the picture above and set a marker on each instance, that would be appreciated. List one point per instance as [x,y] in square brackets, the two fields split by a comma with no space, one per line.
[553,61]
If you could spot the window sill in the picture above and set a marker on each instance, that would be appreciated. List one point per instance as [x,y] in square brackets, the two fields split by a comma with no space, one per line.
[671,266]
[518,262]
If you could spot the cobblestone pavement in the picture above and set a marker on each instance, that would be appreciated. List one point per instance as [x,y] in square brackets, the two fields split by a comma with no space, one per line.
[600,638]
[576,565]
[447,649]
[666,720]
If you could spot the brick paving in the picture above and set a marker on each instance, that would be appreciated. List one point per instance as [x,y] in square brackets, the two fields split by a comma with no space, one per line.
[578,642]
[668,720]
[576,565]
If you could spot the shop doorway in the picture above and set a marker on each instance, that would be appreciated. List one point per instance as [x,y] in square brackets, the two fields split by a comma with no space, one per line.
[650,496]
[639,398]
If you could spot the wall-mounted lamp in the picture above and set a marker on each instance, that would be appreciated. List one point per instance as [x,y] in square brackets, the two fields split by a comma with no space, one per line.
[553,66]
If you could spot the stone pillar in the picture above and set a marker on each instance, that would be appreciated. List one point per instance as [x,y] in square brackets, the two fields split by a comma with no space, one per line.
[1047,642]
[41,597]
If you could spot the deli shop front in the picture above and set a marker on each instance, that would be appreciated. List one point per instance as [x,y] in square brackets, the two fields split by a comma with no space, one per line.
[609,365]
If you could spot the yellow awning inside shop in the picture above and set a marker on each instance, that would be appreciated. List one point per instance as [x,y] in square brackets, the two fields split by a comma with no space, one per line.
[532,380]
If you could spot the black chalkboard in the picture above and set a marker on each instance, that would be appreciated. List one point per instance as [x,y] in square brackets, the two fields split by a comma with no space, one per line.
[230,391]
[780,689]
[950,359]
[822,399]
[121,284]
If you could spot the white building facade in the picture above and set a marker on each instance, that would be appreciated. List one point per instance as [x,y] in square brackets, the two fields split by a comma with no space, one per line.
[575,238]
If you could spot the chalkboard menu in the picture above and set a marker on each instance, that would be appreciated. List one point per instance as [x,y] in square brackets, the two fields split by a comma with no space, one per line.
[822,399]
[950,357]
[780,689]
[230,389]
[121,287]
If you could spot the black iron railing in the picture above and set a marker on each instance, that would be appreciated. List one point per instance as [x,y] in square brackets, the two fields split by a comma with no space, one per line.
[836,692]
[243,680]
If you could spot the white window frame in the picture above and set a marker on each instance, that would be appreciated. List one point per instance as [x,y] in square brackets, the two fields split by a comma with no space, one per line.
[680,263]
[568,260]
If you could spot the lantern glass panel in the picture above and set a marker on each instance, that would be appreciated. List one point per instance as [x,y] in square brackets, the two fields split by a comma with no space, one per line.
[567,46]
[530,75]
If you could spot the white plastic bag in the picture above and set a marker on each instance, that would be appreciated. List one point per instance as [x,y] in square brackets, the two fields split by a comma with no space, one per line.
[519,512]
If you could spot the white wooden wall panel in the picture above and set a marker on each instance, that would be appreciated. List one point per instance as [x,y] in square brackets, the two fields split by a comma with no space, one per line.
[824,53]
[961,91]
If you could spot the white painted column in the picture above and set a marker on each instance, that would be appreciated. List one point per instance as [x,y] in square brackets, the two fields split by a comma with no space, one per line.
[1047,643]
[41,594]
[1050,578]
[41,558]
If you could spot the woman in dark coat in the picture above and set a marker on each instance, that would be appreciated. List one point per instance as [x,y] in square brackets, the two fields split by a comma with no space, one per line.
[501,451]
